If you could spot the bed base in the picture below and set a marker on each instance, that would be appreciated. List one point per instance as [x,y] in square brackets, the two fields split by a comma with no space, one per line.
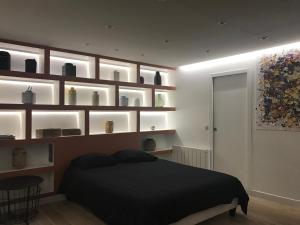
[201,216]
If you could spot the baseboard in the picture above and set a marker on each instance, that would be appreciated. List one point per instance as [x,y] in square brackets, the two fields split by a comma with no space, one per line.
[275,198]
[52,199]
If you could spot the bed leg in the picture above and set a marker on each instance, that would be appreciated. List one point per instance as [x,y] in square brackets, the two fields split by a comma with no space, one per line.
[232,212]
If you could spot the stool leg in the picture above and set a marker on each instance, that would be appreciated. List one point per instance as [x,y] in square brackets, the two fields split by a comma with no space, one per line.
[232,212]
[27,206]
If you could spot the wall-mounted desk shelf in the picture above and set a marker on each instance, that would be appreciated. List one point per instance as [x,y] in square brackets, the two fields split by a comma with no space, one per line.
[161,151]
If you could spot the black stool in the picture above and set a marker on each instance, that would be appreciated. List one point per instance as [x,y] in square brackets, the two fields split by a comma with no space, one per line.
[19,199]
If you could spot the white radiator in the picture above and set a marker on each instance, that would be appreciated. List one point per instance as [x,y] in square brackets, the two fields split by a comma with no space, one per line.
[190,156]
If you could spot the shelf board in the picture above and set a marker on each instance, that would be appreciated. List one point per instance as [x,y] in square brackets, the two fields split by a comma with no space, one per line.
[117,133]
[41,76]
[24,172]
[8,143]
[166,132]
[27,168]
[161,151]
[82,107]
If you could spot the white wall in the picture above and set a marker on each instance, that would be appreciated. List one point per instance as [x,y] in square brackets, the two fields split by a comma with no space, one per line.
[275,155]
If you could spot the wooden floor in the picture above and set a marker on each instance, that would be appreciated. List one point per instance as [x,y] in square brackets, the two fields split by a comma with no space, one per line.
[261,212]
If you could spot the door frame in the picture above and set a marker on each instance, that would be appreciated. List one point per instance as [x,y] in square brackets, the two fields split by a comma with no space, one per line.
[249,124]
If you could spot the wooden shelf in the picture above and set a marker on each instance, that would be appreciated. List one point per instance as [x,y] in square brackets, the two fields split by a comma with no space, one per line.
[48,77]
[41,76]
[161,151]
[166,132]
[82,107]
[27,168]
[6,143]
[29,171]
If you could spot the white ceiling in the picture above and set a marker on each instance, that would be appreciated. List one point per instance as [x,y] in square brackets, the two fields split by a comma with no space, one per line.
[142,26]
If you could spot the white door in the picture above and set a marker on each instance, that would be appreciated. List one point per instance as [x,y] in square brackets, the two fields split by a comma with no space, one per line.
[230,125]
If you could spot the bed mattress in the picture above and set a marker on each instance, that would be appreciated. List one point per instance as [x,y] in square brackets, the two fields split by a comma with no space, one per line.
[150,193]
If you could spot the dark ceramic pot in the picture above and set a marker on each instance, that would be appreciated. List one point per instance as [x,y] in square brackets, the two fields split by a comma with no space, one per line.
[30,66]
[69,70]
[149,145]
[157,78]
[142,80]
[4,60]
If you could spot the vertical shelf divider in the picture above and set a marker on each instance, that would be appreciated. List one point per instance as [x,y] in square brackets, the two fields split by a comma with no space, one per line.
[87,122]
[28,123]
[138,122]
[47,61]
[61,92]
[117,95]
[97,69]
[153,97]
[138,73]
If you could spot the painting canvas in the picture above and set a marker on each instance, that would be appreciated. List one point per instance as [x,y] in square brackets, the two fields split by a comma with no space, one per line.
[278,91]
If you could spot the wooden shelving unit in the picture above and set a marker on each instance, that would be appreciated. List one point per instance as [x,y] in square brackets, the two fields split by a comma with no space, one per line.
[94,71]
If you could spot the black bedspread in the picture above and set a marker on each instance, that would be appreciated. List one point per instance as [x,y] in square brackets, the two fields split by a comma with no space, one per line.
[150,193]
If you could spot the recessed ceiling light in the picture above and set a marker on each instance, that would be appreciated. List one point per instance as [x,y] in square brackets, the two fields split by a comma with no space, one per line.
[222,23]
[263,38]
[110,27]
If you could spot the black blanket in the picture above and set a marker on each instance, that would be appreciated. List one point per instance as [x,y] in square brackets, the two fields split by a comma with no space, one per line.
[150,193]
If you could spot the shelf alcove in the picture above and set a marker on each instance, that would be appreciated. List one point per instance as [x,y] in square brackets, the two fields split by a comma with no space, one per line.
[127,71]
[37,156]
[85,65]
[155,121]
[11,89]
[85,91]
[149,73]
[66,119]
[143,94]
[124,121]
[167,96]
[13,123]
[20,53]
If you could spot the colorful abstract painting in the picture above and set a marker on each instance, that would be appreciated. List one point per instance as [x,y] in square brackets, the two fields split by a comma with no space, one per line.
[278,91]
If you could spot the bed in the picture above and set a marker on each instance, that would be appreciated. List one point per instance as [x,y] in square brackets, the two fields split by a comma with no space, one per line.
[156,192]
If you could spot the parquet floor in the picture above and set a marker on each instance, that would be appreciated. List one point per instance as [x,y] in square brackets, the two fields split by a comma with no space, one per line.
[261,212]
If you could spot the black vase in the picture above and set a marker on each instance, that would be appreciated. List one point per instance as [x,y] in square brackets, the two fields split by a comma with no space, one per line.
[69,70]
[157,78]
[4,60]
[142,80]
[30,66]
[149,145]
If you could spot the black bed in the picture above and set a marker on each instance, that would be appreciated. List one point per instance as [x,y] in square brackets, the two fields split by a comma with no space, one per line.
[158,192]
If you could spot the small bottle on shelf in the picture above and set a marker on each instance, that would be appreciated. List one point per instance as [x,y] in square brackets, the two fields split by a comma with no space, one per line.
[137,102]
[95,98]
[116,75]
[72,96]
[159,101]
